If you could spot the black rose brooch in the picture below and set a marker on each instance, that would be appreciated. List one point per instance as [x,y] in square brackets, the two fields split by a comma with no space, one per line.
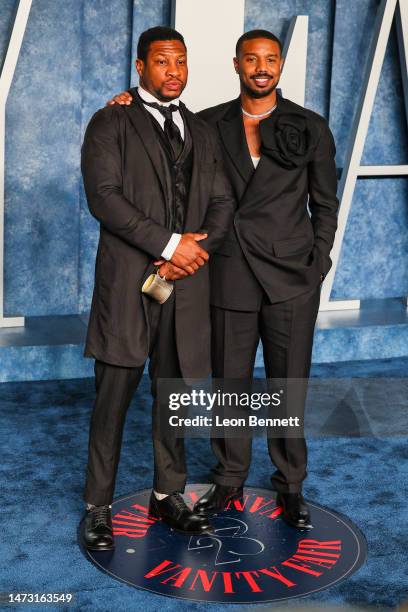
[287,139]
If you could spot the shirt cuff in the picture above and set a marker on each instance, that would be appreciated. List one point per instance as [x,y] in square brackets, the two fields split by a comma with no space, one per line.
[171,246]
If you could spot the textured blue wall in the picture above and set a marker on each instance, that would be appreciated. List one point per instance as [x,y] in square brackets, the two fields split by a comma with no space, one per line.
[373,261]
[77,53]
[42,164]
[7,12]
[74,55]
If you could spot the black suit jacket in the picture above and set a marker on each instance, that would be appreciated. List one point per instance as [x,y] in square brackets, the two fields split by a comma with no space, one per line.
[275,246]
[126,186]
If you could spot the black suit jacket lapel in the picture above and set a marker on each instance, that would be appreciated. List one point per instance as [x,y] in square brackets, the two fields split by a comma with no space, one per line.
[232,132]
[140,119]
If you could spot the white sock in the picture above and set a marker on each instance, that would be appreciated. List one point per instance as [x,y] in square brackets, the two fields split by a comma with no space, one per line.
[92,506]
[159,496]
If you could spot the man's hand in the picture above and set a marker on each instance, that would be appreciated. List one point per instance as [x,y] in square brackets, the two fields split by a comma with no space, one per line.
[123,98]
[171,272]
[189,255]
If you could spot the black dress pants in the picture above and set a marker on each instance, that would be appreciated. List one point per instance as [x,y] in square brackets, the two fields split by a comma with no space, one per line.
[115,387]
[286,330]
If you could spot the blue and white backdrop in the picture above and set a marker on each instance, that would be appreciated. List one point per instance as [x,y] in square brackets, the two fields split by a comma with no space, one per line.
[76,53]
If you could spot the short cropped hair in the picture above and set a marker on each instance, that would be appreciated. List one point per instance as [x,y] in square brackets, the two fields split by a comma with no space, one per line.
[256,34]
[153,34]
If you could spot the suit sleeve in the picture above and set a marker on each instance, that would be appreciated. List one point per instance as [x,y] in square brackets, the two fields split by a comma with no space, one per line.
[220,213]
[101,165]
[323,203]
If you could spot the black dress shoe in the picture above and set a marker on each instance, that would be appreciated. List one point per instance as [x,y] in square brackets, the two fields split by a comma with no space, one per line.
[174,511]
[98,532]
[295,510]
[216,498]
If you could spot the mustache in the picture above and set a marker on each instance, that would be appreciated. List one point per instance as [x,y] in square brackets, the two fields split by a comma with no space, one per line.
[262,75]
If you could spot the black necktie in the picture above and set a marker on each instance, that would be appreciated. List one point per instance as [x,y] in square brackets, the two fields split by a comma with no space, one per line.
[170,128]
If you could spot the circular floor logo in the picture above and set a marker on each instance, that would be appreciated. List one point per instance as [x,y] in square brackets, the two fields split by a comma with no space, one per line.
[253,556]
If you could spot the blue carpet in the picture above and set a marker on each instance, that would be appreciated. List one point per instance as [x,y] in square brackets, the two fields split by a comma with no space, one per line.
[43,435]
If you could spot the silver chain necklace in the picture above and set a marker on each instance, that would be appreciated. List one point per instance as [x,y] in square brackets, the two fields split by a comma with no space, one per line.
[258,116]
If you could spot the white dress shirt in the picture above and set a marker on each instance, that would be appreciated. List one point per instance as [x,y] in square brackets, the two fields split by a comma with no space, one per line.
[177,118]
[255,160]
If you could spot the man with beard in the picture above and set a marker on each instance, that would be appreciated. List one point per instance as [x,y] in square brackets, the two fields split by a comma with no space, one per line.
[153,176]
[266,276]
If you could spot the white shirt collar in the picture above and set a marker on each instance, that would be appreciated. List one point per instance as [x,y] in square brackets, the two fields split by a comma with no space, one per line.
[148,97]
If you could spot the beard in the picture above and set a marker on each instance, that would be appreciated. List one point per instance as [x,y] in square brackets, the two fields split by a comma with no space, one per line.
[160,95]
[257,94]
[158,92]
